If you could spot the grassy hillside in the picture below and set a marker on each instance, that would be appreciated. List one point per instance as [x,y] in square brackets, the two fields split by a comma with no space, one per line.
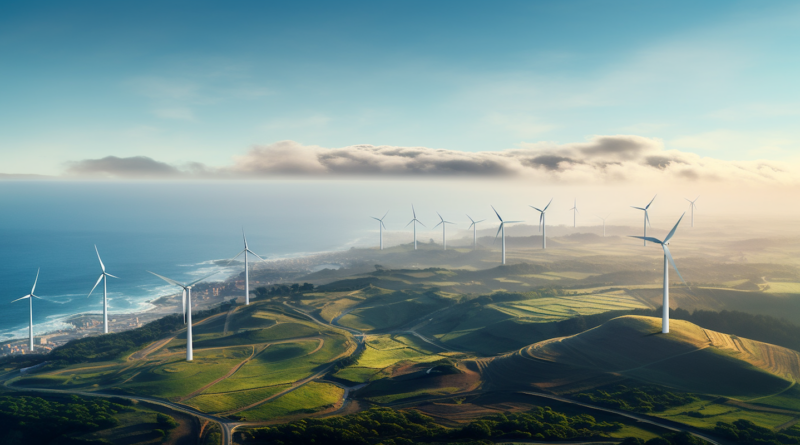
[689,358]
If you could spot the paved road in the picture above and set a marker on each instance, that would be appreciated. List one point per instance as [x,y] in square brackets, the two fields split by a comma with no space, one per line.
[672,426]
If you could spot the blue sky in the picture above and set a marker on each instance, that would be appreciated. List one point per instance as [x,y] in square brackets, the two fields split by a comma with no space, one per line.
[204,82]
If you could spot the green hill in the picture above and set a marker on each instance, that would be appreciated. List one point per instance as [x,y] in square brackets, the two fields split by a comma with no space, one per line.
[689,358]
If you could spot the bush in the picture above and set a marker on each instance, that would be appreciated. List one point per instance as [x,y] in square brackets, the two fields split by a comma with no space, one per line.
[165,421]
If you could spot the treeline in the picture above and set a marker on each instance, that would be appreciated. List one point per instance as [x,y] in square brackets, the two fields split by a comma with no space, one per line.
[278,290]
[641,399]
[776,331]
[682,438]
[745,431]
[33,420]
[389,427]
[115,345]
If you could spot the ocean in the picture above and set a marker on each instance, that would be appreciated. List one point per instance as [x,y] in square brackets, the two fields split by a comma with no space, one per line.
[176,230]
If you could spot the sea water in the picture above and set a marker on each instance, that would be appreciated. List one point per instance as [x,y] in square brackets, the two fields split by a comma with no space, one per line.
[173,229]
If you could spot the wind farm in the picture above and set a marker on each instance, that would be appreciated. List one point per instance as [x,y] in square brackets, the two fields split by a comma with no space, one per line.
[157,133]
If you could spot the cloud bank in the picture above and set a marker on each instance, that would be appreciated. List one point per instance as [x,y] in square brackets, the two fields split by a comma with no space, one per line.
[617,158]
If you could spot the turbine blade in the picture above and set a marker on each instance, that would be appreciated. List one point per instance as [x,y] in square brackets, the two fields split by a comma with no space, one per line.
[437,225]
[102,266]
[470,219]
[476,222]
[647,218]
[651,201]
[170,281]
[201,279]
[534,208]
[244,237]
[498,231]
[39,298]
[423,225]
[647,238]
[382,224]
[95,285]
[262,259]
[237,256]
[672,232]
[376,219]
[440,216]
[409,223]
[414,212]
[495,212]
[548,205]
[112,276]
[35,281]
[470,226]
[384,215]
[671,261]
[22,298]
[637,208]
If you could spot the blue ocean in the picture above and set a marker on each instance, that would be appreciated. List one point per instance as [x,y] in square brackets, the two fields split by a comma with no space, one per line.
[173,229]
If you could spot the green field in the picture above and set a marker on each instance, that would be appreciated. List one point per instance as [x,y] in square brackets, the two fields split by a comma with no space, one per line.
[384,350]
[309,398]
[227,401]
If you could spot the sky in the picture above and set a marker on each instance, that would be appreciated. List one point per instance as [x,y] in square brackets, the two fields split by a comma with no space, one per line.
[576,92]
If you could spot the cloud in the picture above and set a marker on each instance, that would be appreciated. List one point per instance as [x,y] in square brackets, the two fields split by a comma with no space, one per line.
[114,167]
[610,159]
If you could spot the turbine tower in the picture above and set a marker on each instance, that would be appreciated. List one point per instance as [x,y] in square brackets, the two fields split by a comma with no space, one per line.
[381,227]
[502,231]
[667,261]
[543,222]
[444,224]
[474,227]
[187,312]
[245,251]
[604,224]
[646,217]
[103,276]
[693,206]
[415,221]
[574,214]
[30,298]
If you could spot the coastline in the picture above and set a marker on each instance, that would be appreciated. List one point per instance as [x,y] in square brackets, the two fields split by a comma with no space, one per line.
[205,294]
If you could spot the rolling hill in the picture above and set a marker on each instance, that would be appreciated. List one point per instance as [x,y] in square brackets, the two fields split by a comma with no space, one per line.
[689,358]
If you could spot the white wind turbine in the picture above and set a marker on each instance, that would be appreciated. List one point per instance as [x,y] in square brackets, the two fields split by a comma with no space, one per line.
[646,217]
[502,231]
[604,224]
[381,227]
[30,298]
[574,213]
[474,227]
[693,206]
[187,308]
[415,221]
[543,222]
[103,276]
[444,224]
[667,260]
[245,251]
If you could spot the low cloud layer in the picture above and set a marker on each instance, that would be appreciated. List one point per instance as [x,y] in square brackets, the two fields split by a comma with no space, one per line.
[617,158]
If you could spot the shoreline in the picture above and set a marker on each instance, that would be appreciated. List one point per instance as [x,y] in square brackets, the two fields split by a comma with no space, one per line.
[204,295]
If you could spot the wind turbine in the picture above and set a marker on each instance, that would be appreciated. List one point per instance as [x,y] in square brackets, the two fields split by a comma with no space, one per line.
[646,217]
[245,251]
[543,222]
[103,276]
[693,206]
[502,230]
[474,227]
[187,311]
[604,224]
[667,257]
[574,214]
[30,298]
[415,221]
[444,224]
[381,226]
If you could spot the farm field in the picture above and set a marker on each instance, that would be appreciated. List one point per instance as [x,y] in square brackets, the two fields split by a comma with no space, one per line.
[309,398]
